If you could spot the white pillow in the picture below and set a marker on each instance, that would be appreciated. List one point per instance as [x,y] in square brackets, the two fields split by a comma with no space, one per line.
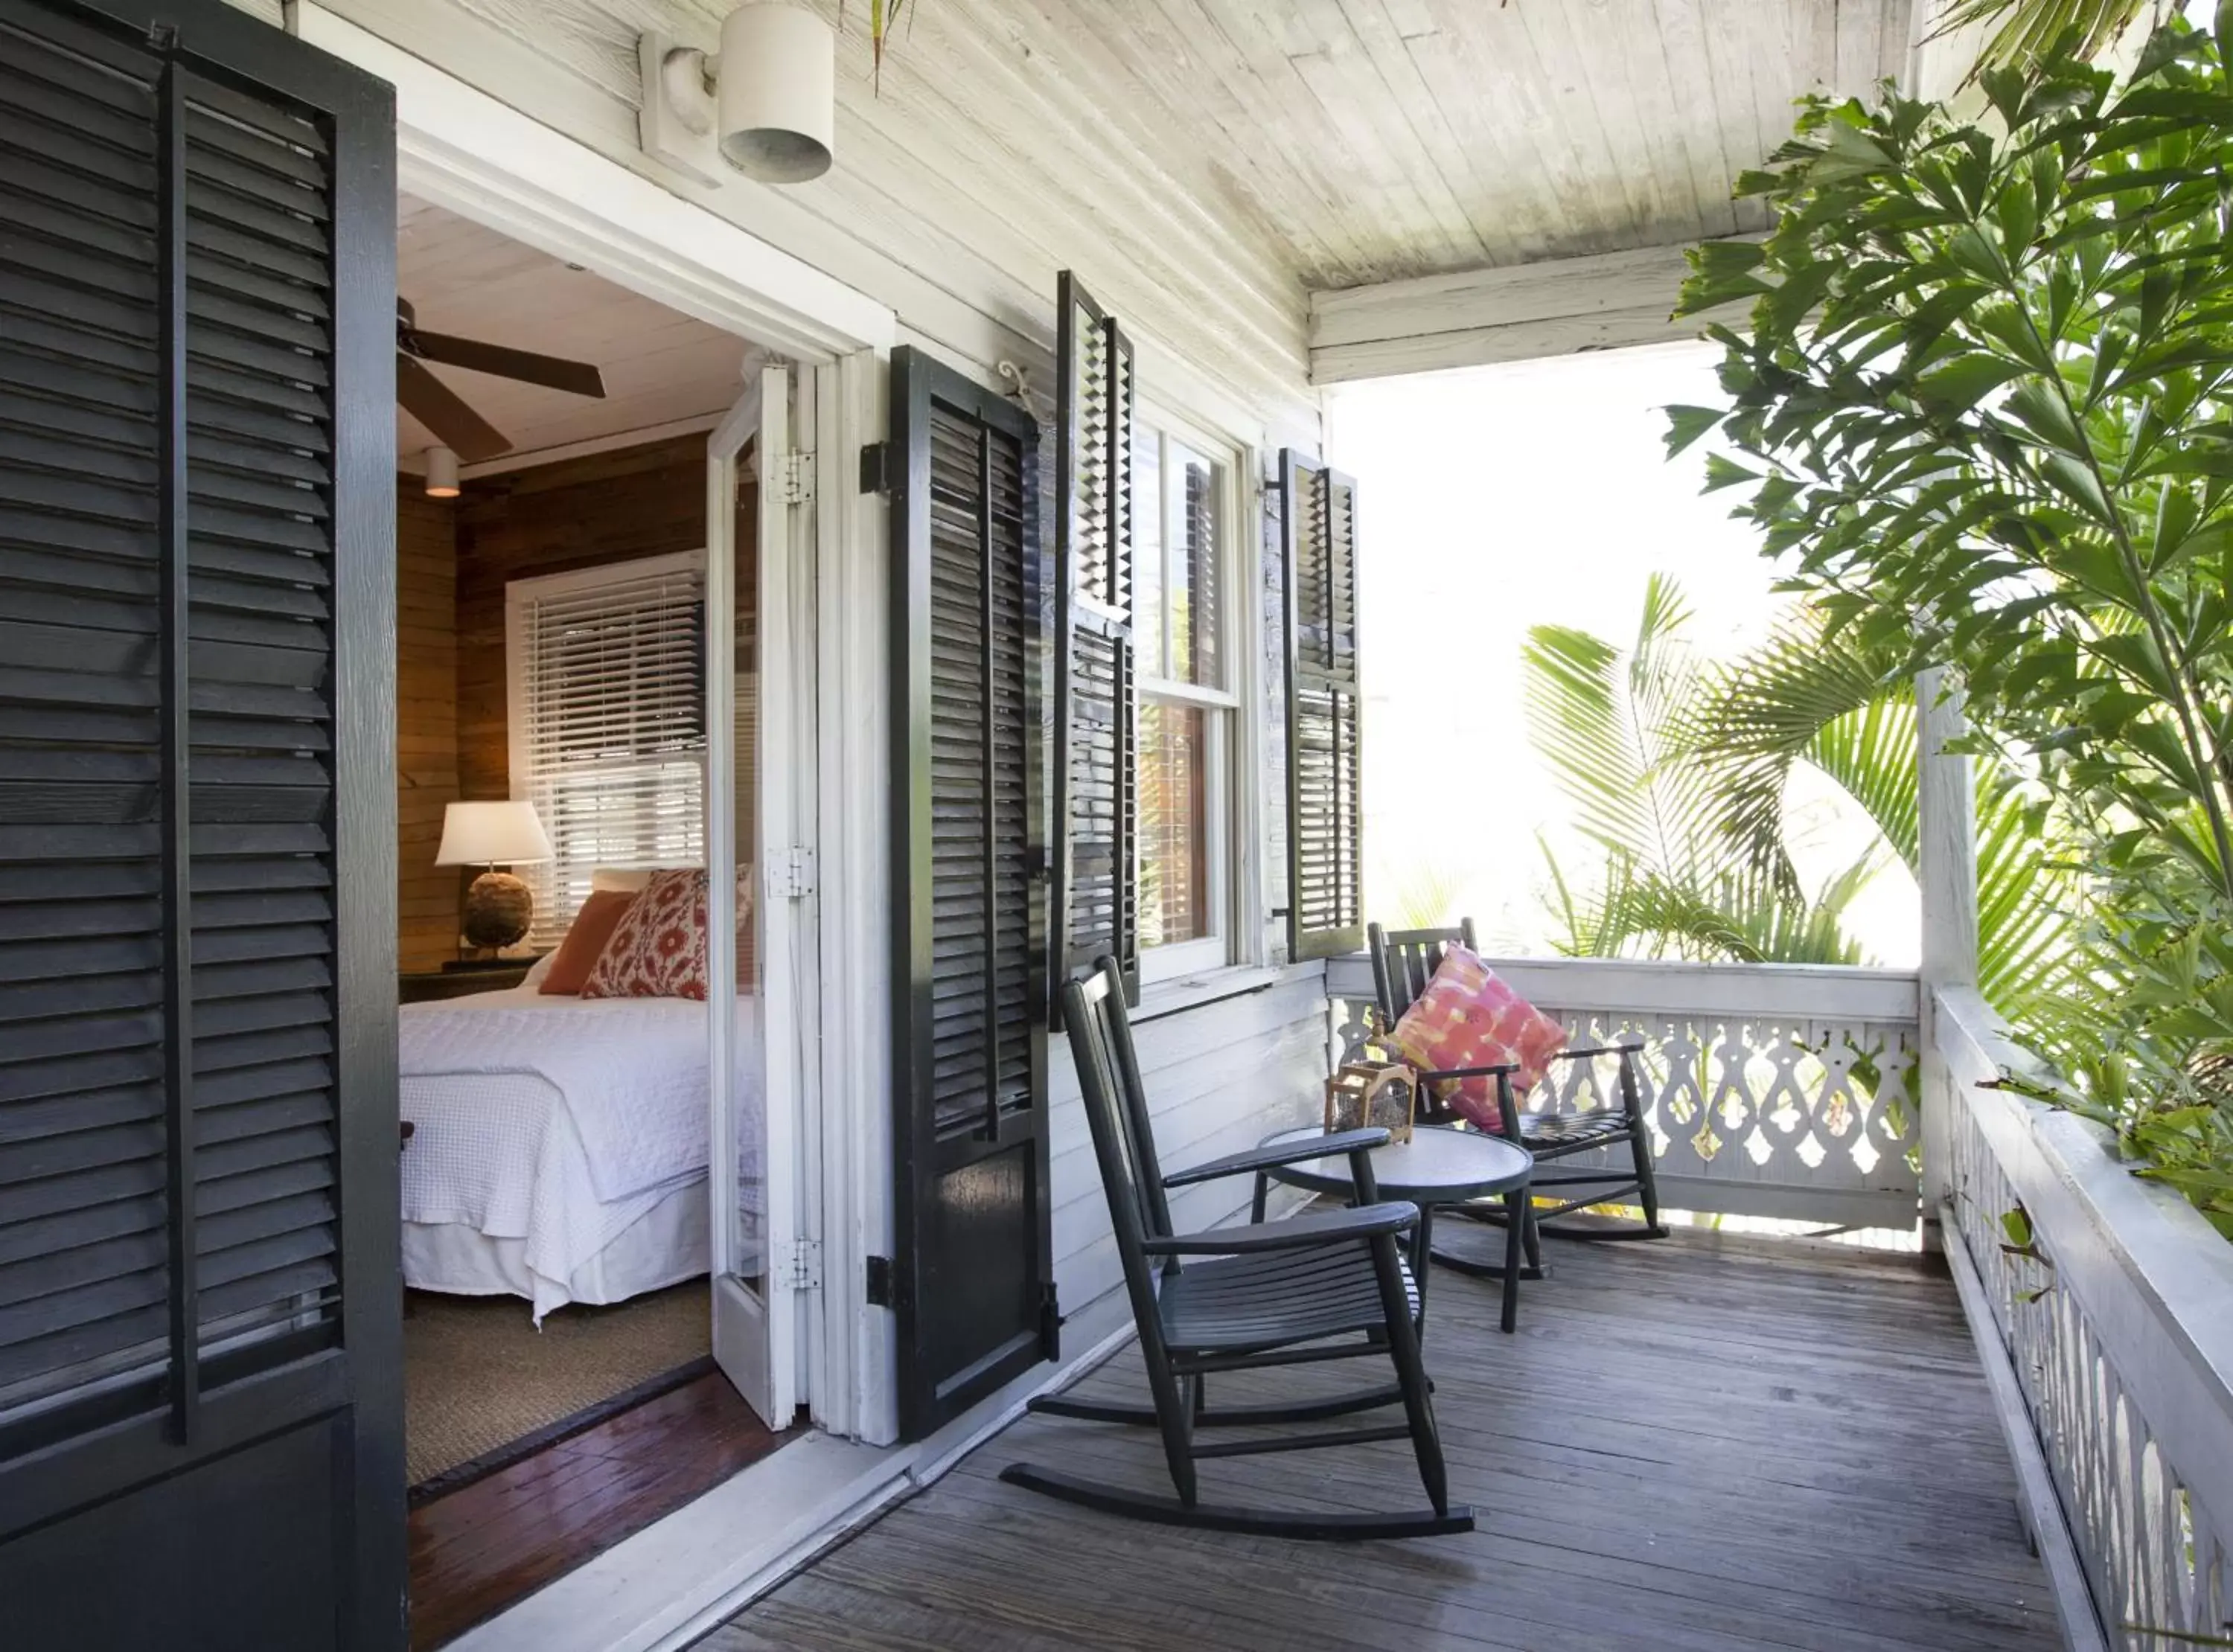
[541,969]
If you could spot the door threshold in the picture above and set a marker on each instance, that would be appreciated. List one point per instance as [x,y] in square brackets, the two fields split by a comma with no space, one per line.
[678,1579]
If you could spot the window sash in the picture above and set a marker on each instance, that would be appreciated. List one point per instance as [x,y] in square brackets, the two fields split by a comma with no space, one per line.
[607,722]
[1157,625]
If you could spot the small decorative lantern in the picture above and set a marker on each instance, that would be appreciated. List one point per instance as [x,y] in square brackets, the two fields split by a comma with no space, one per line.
[1372,1092]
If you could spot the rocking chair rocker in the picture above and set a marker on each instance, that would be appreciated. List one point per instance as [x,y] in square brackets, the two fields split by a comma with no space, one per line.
[1327,1286]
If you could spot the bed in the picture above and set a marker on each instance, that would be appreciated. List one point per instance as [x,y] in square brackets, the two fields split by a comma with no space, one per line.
[558,1149]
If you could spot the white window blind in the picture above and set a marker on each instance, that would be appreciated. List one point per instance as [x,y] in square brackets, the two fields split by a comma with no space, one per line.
[607,722]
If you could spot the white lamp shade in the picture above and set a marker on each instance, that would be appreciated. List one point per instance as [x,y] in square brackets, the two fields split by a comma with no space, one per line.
[505,833]
[778,92]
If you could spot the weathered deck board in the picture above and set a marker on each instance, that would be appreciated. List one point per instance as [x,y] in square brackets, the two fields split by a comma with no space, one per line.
[1699,1446]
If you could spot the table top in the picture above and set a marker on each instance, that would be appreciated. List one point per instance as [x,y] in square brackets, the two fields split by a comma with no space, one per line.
[1437,1166]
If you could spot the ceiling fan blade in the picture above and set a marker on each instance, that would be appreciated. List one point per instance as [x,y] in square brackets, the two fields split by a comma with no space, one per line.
[554,372]
[434,404]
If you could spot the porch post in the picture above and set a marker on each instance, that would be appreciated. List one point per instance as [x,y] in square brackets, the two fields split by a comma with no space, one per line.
[1946,808]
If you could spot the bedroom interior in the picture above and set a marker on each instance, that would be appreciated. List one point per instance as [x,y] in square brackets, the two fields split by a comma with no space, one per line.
[552,643]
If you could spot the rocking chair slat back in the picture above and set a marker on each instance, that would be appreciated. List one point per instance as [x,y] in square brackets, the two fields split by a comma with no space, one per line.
[1404,960]
[1123,1140]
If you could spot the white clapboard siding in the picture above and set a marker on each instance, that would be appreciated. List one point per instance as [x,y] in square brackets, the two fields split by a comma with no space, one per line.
[1219,1077]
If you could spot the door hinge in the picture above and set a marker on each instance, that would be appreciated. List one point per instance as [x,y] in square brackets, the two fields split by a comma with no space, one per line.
[880,1283]
[876,467]
[794,479]
[800,1268]
[1050,1322]
[790,873]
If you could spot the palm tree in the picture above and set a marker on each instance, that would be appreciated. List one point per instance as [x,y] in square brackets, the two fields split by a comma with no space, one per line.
[1679,772]
[1614,728]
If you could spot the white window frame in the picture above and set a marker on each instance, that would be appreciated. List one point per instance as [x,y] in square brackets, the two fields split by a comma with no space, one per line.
[518,595]
[1230,754]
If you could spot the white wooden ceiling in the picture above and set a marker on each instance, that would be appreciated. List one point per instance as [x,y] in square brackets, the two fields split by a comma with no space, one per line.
[660,368]
[1385,138]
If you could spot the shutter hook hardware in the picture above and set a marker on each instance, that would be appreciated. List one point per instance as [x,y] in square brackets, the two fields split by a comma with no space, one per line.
[163,37]
[1020,390]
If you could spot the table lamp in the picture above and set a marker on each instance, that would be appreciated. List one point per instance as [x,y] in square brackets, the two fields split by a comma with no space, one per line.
[498,906]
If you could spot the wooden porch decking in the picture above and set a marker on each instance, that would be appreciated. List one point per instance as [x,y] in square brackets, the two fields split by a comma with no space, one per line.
[1698,1446]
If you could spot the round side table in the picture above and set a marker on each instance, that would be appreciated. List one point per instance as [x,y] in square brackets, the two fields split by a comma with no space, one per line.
[1436,1166]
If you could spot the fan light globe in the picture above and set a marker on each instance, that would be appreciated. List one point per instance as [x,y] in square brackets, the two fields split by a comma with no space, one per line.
[779,93]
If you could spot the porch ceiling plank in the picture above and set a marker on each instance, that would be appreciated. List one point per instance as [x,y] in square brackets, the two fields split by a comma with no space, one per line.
[1183,60]
[1388,46]
[1552,307]
[1326,40]
[1491,76]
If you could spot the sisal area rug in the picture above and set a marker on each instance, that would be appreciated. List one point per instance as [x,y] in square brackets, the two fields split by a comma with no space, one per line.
[482,1387]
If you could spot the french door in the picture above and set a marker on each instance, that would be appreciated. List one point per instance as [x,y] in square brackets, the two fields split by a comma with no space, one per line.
[200,1345]
[759,804]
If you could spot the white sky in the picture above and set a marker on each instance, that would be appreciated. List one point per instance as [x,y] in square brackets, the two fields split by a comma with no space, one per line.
[1493,499]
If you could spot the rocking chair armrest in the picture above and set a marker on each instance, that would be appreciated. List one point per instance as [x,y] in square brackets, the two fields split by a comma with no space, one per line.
[1278,1153]
[1320,1228]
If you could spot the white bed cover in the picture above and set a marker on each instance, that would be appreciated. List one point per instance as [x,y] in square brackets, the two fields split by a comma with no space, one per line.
[560,1122]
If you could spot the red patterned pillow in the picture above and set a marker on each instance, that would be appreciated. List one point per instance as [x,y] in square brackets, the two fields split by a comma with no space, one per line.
[658,948]
[1468,1018]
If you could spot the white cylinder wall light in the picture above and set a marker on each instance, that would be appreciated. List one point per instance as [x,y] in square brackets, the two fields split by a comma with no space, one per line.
[441,473]
[778,82]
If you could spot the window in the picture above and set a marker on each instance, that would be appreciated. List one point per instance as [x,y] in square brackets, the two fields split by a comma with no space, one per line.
[1189,703]
[607,722]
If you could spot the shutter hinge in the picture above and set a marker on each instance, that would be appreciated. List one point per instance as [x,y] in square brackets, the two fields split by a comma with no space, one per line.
[876,467]
[790,873]
[881,1293]
[801,1270]
[1050,1322]
[794,479]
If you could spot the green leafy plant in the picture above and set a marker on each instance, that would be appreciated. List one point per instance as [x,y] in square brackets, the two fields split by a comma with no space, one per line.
[1984,407]
[1617,729]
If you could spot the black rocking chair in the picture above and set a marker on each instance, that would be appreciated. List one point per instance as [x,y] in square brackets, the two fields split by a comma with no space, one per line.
[1321,1287]
[1404,961]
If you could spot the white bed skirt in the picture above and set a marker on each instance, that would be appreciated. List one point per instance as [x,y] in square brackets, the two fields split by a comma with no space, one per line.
[665,1245]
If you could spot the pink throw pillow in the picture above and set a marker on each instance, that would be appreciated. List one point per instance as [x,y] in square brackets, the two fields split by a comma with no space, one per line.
[1468,1018]
[658,948]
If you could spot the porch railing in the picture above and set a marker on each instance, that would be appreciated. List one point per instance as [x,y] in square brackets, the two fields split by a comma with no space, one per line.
[1771,1089]
[2113,1301]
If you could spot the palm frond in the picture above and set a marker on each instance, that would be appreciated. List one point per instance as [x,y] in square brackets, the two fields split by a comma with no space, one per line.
[1872,753]
[1578,720]
[1760,715]
[2024,32]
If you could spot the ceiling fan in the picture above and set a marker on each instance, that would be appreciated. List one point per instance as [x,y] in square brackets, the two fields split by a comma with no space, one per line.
[434,404]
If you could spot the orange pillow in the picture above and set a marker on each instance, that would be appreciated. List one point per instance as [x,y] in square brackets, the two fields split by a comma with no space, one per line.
[585,940]
[1468,1018]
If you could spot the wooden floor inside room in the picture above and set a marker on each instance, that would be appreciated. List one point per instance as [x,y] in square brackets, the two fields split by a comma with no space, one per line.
[488,1544]
[1698,1445]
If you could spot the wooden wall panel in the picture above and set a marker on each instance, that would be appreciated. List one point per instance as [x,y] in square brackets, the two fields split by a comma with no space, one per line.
[611,507]
[425,722]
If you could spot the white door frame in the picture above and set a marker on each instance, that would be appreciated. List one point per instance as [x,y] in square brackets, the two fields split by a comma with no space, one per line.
[463,150]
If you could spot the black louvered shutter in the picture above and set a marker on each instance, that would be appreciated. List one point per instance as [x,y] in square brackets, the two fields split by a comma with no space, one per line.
[1325,802]
[197,1129]
[1096,802]
[975,1280]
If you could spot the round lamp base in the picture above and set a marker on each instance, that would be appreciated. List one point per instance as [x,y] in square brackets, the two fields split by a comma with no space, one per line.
[498,908]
